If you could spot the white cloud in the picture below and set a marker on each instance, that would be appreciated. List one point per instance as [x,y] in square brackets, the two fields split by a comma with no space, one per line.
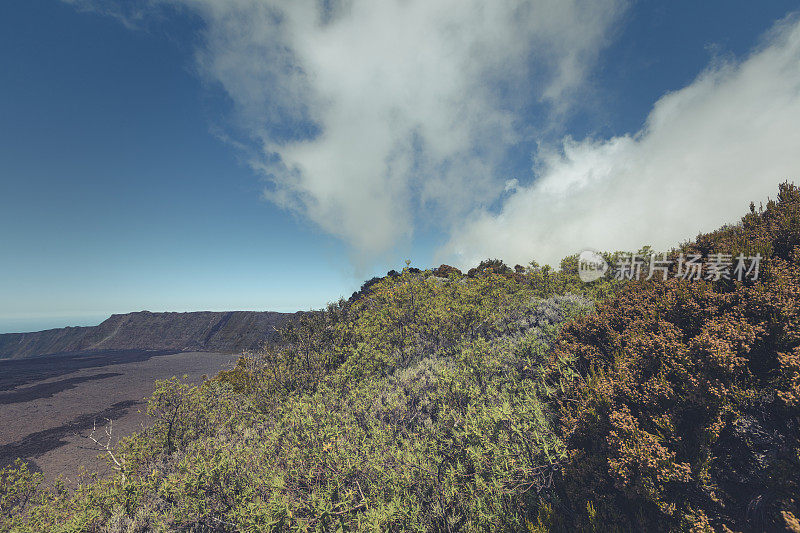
[705,152]
[129,14]
[403,95]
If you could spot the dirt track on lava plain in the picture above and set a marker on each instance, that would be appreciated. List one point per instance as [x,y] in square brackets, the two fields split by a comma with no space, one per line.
[49,404]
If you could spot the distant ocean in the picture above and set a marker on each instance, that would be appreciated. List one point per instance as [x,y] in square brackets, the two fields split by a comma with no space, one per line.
[25,324]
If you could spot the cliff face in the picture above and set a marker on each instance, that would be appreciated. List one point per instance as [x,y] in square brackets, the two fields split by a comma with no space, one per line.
[232,331]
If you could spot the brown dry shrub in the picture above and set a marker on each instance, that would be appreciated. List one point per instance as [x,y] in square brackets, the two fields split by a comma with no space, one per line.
[684,412]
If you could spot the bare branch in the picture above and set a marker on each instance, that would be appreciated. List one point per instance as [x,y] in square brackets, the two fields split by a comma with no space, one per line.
[106,446]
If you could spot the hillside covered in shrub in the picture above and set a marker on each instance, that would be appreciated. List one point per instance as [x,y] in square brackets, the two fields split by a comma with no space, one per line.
[498,400]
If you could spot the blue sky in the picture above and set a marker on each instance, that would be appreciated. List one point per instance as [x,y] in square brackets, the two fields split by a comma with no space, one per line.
[176,155]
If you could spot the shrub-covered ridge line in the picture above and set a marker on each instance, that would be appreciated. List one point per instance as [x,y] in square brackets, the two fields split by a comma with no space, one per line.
[500,400]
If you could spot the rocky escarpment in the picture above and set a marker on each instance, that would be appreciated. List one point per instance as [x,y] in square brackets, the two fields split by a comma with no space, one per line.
[232,331]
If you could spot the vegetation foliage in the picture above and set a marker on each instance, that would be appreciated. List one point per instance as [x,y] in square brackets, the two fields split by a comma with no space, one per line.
[681,404]
[501,400]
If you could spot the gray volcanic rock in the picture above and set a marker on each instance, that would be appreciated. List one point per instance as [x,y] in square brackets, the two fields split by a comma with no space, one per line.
[232,331]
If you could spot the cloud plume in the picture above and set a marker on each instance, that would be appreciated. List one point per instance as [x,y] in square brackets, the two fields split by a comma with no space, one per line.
[705,152]
[371,116]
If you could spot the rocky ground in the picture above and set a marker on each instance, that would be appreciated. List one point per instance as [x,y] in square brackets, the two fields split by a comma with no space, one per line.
[48,405]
